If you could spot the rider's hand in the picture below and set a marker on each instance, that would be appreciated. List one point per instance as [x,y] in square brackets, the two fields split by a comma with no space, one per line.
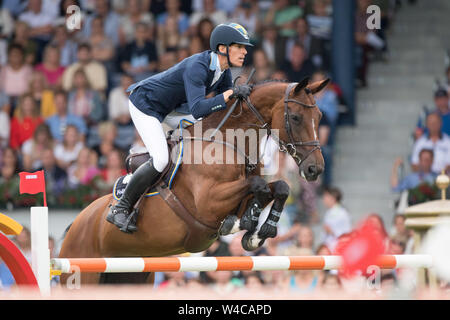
[241,91]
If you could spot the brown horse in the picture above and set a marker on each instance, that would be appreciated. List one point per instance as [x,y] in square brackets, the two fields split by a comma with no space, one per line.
[216,194]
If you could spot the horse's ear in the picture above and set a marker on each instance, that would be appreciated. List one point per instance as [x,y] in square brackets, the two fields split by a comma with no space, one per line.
[302,84]
[321,85]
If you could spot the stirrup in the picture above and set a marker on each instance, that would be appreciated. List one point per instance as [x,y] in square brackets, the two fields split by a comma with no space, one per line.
[131,220]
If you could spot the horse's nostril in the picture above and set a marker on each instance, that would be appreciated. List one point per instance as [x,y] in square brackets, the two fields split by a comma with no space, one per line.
[312,169]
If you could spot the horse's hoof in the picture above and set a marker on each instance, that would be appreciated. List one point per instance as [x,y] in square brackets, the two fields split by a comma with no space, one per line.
[250,241]
[249,221]
[267,231]
[228,225]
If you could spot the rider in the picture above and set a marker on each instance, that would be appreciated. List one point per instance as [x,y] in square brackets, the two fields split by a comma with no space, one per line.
[185,85]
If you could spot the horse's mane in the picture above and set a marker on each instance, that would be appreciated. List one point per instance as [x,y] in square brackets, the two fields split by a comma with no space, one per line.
[268,81]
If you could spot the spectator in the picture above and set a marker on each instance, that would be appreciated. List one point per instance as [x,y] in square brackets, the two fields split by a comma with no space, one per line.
[55,177]
[4,122]
[108,133]
[302,281]
[279,75]
[331,282]
[118,102]
[24,122]
[336,221]
[401,232]
[59,122]
[169,39]
[320,25]
[283,15]
[15,75]
[173,10]
[23,241]
[378,224]
[66,152]
[270,43]
[6,29]
[298,66]
[51,66]
[83,101]
[41,25]
[327,102]
[128,22]
[102,47]
[437,141]
[95,71]
[33,148]
[247,15]
[302,36]
[9,165]
[114,168]
[169,58]
[139,58]
[43,96]
[254,281]
[22,37]
[441,102]
[204,28]
[83,171]
[210,12]
[110,18]
[366,41]
[229,6]
[414,179]
[264,68]
[67,47]
[6,23]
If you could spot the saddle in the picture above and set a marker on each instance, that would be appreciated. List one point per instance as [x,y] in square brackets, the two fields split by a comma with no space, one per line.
[197,230]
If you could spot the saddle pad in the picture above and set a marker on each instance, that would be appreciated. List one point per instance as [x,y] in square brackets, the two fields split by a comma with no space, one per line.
[121,183]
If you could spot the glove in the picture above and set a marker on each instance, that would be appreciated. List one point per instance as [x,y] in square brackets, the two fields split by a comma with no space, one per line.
[241,91]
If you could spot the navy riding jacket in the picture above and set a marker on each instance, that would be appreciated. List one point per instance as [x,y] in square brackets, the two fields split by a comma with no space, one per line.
[183,87]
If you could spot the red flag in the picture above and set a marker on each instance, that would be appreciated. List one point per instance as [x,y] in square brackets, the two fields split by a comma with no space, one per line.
[32,183]
[360,249]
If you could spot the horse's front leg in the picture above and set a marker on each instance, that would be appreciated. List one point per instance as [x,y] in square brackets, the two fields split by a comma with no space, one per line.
[253,240]
[261,196]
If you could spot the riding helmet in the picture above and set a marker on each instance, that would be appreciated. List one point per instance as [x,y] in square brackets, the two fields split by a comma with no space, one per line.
[228,34]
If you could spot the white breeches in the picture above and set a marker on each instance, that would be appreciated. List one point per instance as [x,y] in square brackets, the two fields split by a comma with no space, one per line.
[152,133]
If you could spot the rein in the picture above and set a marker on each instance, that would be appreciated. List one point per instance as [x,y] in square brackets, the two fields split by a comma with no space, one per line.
[286,147]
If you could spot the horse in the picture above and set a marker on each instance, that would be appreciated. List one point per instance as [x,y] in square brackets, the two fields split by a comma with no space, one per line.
[222,198]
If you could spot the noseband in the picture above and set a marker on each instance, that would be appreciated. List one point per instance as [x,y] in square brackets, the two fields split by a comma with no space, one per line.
[289,147]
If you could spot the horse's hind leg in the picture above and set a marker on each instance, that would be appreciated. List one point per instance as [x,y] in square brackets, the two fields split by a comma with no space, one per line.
[252,241]
[262,195]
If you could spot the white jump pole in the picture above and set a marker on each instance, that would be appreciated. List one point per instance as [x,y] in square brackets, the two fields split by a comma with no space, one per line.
[40,252]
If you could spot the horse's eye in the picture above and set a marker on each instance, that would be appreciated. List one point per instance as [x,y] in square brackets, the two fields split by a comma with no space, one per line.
[296,118]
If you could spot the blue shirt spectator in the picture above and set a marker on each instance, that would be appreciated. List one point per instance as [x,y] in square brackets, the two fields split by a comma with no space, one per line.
[111,21]
[414,179]
[173,10]
[59,122]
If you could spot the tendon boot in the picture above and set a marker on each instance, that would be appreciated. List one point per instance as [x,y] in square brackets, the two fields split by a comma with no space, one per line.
[122,214]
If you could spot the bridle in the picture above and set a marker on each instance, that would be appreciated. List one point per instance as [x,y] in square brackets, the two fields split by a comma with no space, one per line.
[289,147]
[286,147]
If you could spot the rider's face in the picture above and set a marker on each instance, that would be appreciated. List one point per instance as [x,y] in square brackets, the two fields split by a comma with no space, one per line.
[237,54]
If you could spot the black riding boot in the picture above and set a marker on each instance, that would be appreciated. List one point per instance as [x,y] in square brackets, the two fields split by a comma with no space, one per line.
[122,214]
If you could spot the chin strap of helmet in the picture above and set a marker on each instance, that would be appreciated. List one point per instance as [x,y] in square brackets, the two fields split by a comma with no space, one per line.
[226,55]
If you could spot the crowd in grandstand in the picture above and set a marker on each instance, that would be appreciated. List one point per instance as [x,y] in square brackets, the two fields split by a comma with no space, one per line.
[64,109]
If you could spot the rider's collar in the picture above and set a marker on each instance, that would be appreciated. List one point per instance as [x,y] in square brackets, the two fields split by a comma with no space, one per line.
[215,64]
